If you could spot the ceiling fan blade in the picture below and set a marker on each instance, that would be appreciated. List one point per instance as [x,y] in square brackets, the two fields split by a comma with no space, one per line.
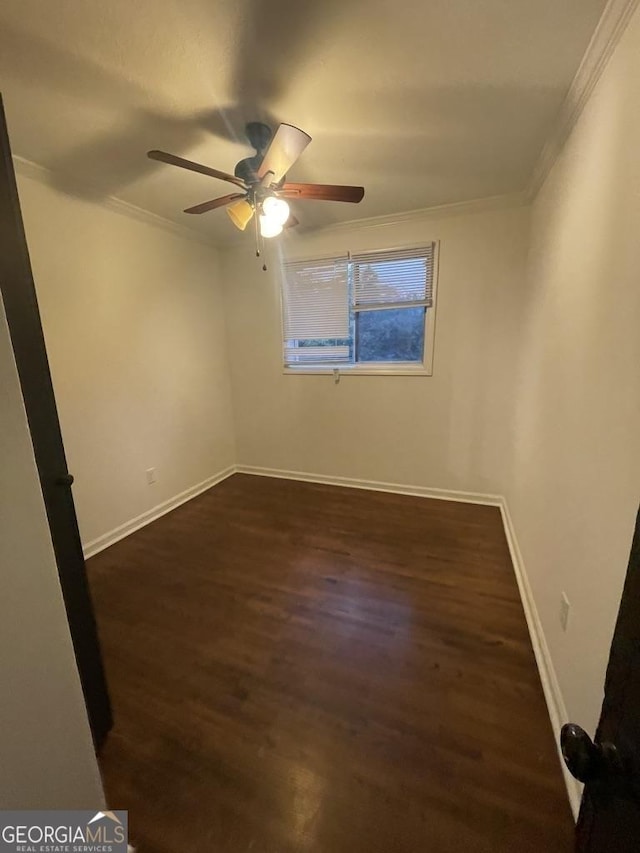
[321,192]
[173,160]
[216,202]
[286,146]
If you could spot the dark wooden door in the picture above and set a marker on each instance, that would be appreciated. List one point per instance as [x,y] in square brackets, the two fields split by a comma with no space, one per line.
[21,307]
[610,811]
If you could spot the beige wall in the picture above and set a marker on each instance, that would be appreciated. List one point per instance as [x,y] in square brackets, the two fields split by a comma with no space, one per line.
[445,431]
[45,743]
[134,326]
[575,474]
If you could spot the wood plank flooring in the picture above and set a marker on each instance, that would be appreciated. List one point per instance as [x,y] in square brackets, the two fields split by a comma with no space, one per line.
[299,667]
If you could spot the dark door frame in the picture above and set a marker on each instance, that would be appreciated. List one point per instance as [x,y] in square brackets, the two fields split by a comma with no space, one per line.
[25,328]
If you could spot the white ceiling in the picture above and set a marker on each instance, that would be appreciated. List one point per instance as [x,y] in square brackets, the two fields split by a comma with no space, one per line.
[424,102]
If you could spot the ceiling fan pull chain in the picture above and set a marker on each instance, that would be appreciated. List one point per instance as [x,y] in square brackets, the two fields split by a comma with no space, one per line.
[257,233]
[258,237]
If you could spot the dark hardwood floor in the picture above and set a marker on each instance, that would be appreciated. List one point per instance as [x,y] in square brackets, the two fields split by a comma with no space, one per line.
[299,667]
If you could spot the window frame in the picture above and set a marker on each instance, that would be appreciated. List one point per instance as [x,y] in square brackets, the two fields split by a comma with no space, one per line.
[373,368]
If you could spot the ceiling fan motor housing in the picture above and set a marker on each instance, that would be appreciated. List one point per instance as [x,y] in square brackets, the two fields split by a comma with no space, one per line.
[260,136]
[246,169]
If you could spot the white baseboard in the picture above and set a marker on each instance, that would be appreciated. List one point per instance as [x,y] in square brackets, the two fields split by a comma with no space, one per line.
[552,693]
[113,536]
[373,485]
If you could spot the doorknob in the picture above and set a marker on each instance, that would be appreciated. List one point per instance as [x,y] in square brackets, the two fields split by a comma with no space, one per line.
[64,480]
[585,759]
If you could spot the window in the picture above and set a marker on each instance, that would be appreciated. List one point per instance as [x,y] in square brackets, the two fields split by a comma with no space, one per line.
[366,313]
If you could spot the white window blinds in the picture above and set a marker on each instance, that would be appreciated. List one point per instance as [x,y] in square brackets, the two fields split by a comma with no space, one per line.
[316,311]
[322,298]
[394,279]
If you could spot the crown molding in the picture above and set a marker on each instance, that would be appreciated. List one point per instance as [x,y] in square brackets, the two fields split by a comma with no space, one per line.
[29,169]
[440,211]
[610,29]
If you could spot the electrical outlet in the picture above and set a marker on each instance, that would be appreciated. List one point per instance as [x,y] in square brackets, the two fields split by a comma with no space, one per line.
[151,476]
[565,607]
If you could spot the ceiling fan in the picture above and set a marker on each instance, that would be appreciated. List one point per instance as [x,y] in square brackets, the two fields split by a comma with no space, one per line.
[261,180]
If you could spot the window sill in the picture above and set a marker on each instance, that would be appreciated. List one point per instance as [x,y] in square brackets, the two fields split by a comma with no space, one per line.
[359,370]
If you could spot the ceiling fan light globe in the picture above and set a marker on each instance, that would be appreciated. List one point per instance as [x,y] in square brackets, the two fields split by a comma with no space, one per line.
[276,209]
[240,213]
[269,227]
